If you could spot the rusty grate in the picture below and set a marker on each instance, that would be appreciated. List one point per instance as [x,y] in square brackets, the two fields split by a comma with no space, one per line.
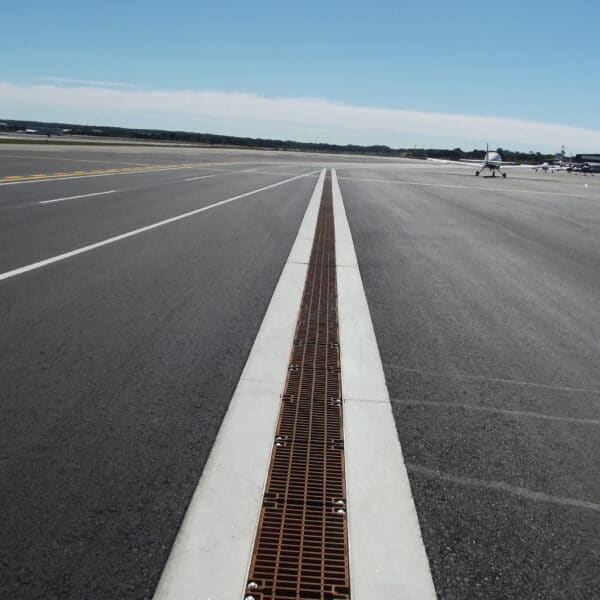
[301,547]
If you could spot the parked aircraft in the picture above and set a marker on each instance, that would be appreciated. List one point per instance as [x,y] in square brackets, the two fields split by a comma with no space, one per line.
[550,166]
[560,162]
[492,161]
[590,168]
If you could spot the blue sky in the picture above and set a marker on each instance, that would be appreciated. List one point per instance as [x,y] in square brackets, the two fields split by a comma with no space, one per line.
[527,60]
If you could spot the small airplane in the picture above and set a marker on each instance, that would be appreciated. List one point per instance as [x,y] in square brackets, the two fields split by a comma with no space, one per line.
[553,167]
[558,163]
[492,161]
[546,166]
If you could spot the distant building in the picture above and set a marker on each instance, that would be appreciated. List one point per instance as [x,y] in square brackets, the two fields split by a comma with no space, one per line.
[588,163]
[589,158]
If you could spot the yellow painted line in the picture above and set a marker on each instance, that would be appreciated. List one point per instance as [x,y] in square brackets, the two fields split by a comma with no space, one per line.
[97,172]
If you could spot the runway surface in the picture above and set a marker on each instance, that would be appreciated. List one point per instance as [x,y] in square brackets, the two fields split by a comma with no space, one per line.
[118,362]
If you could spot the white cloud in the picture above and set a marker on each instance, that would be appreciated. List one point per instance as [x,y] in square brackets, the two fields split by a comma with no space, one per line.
[305,119]
[92,82]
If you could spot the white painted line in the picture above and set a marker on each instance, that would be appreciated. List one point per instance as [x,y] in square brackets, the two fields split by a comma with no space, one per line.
[508,412]
[117,238]
[467,376]
[273,174]
[387,555]
[232,172]
[202,177]
[77,197]
[469,187]
[223,171]
[502,486]
[211,555]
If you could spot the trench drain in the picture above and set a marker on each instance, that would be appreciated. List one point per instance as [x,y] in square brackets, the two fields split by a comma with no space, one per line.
[301,544]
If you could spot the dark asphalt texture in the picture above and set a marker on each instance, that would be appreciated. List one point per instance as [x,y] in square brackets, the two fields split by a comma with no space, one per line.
[118,364]
[486,305]
[117,368]
[139,200]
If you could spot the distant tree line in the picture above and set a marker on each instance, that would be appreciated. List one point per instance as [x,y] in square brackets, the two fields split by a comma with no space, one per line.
[507,155]
[211,139]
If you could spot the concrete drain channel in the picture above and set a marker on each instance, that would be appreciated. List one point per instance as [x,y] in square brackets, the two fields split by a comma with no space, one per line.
[301,545]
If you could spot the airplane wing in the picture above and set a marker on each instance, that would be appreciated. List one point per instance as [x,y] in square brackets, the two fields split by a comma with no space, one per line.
[462,163]
[468,162]
[515,166]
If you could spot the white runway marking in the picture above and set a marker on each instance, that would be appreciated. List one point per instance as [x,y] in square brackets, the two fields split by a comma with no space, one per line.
[387,554]
[224,171]
[469,187]
[503,411]
[211,555]
[273,174]
[128,234]
[77,197]
[559,388]
[202,177]
[254,171]
[504,487]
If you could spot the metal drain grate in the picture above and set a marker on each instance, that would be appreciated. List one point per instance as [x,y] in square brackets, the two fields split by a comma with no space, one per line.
[301,547]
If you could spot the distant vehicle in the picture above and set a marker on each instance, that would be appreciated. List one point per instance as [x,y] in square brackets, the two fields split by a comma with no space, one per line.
[492,161]
[31,131]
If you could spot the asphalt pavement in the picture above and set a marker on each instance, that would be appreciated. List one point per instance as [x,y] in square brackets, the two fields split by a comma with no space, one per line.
[485,297]
[118,363]
[118,366]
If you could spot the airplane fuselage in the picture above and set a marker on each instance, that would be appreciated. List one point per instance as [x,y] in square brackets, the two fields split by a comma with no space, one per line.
[493,162]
